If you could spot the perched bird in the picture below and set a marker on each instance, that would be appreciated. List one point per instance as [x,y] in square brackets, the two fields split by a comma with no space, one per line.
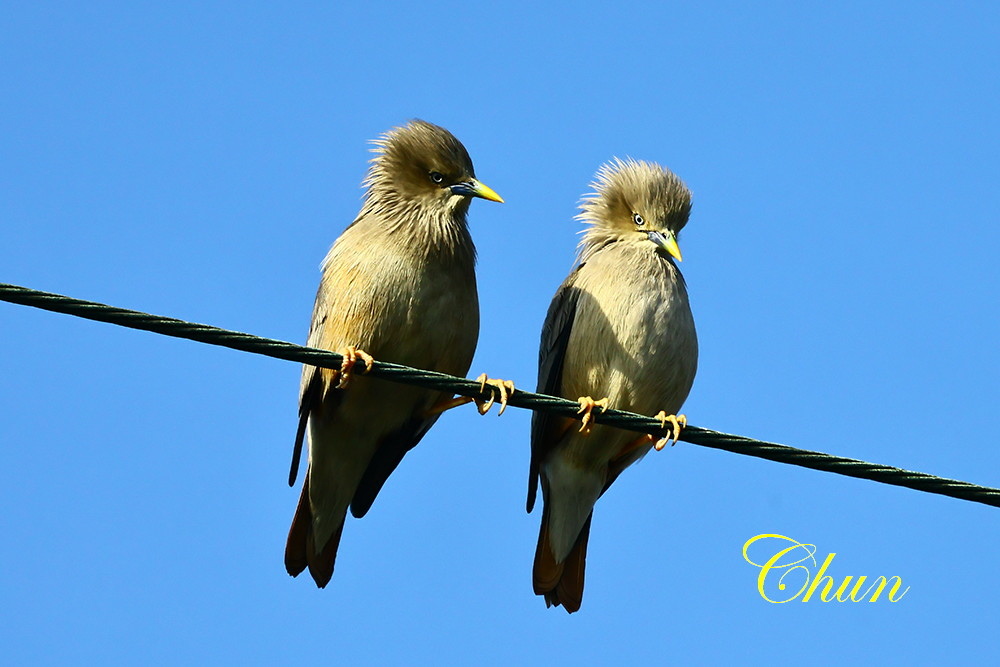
[399,284]
[619,327]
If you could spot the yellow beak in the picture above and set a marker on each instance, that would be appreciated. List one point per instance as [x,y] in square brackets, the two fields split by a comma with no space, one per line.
[667,241]
[473,188]
[485,191]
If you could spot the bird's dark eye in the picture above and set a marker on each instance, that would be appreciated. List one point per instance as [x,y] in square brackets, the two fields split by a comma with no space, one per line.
[437,177]
[638,220]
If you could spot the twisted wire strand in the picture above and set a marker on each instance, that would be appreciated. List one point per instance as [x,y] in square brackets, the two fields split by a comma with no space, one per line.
[278,349]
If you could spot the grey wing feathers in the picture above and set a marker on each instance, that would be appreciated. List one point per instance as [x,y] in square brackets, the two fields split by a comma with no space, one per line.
[551,353]
[311,395]
[310,387]
[390,453]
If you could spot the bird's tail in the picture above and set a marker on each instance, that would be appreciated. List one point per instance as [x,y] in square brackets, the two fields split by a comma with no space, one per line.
[300,549]
[561,583]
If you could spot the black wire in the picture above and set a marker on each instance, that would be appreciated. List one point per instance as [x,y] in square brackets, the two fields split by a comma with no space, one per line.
[236,340]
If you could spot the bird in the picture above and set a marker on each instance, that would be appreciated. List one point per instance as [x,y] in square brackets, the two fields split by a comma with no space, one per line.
[398,284]
[620,327]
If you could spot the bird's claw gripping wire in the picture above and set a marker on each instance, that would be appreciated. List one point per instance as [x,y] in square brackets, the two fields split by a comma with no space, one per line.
[677,424]
[351,356]
[504,389]
[587,405]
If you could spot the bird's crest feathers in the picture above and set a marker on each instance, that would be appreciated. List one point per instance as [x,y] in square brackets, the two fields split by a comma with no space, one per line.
[407,155]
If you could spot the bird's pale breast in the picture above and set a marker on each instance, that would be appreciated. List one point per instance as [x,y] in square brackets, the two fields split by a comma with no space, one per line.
[633,340]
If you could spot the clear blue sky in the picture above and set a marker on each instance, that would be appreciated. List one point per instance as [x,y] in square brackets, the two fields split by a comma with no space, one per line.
[198,161]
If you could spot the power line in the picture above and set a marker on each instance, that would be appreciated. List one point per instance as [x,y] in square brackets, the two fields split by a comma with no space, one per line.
[270,347]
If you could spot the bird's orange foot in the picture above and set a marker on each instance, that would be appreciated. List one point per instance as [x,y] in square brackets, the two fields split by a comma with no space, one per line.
[504,389]
[677,424]
[351,356]
[587,405]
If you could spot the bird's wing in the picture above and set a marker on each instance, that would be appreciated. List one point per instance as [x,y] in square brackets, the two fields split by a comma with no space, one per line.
[391,450]
[311,386]
[312,391]
[547,428]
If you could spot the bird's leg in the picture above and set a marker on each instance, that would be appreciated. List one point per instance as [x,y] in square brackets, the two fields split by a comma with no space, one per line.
[677,424]
[634,445]
[351,355]
[504,388]
[587,405]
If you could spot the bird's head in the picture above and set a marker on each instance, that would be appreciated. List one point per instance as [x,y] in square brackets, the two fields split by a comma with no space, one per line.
[423,165]
[635,202]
